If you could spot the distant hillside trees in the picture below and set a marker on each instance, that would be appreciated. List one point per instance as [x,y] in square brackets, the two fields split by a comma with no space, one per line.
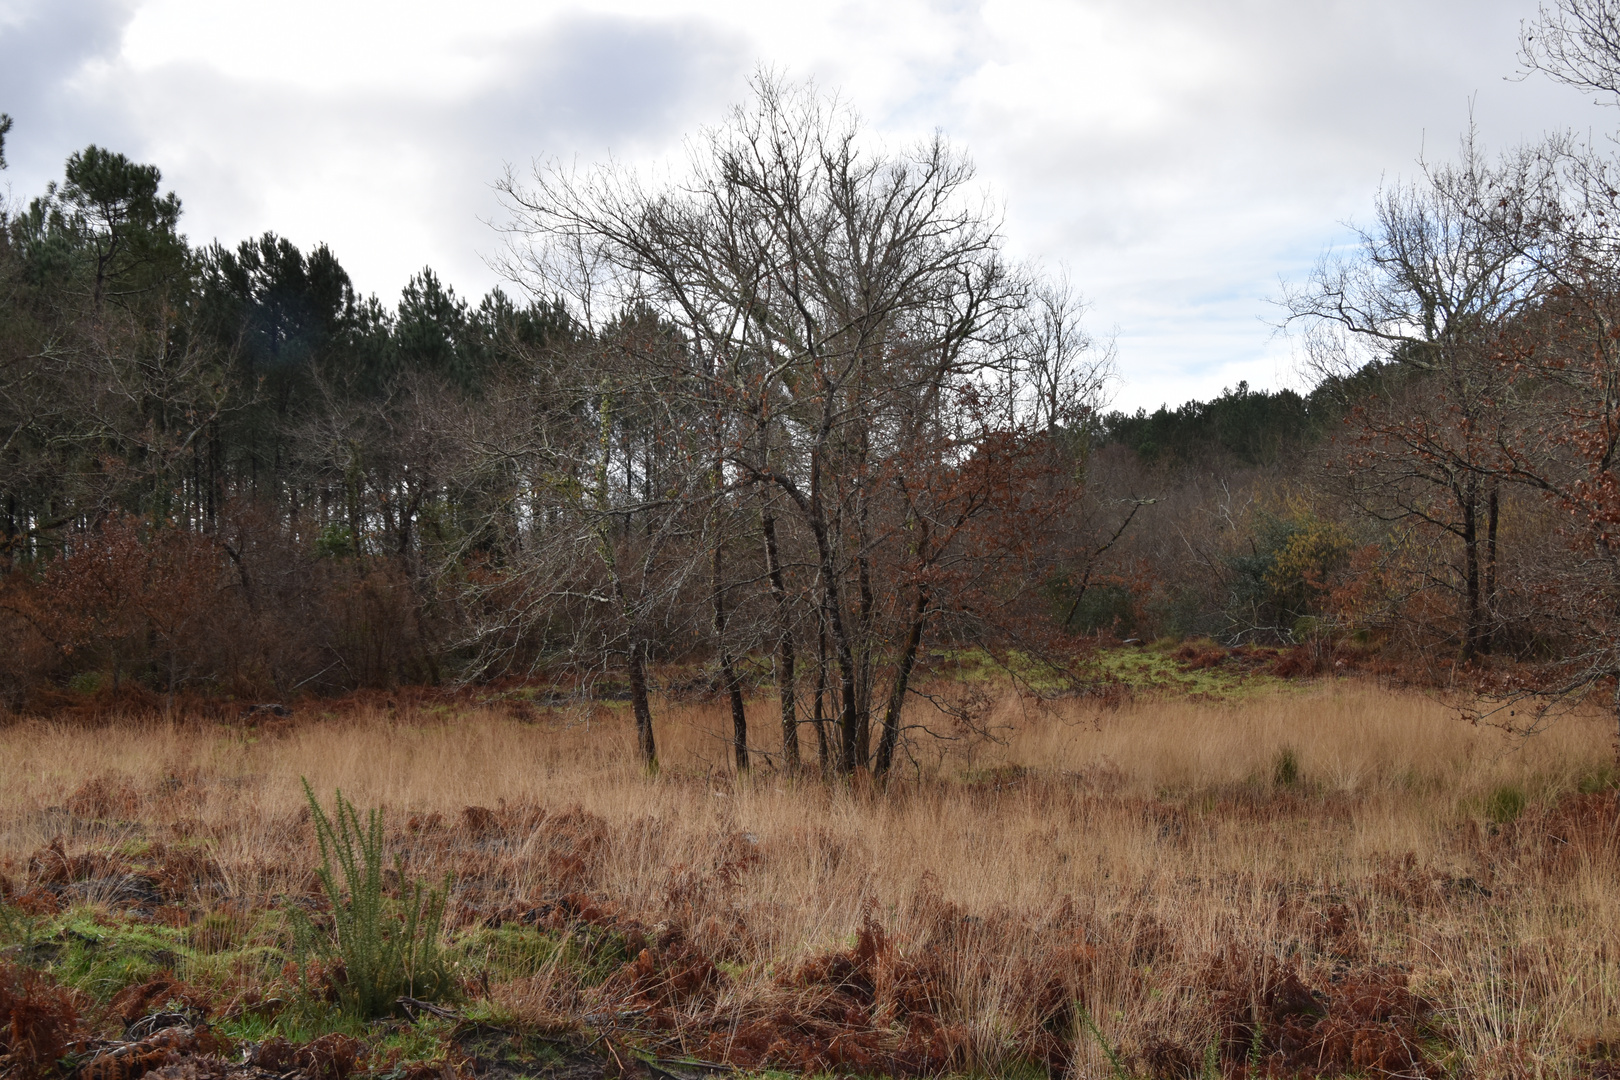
[1241,426]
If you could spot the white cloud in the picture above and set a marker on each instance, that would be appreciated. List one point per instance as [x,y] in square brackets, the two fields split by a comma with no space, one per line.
[1177,155]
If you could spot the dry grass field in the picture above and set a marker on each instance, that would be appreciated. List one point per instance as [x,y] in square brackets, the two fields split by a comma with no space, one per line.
[1338,880]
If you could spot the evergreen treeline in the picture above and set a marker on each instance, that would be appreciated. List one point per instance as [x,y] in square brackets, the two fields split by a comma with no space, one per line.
[1243,426]
[156,393]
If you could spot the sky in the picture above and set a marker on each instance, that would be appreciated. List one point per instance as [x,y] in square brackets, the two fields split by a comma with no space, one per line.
[1179,159]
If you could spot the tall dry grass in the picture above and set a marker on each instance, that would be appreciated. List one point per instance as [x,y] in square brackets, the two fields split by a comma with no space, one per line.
[1148,855]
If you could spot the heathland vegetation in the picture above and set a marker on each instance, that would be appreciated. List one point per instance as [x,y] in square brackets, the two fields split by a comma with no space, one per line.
[759,647]
[1332,880]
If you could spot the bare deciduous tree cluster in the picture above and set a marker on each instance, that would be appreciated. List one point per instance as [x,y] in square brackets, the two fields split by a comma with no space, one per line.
[815,393]
[1475,326]
[792,406]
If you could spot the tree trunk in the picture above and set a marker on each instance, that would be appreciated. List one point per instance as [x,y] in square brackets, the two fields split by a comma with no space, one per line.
[784,647]
[818,714]
[867,606]
[636,668]
[1488,639]
[635,664]
[728,671]
[848,718]
[832,608]
[897,695]
[863,682]
[1470,538]
[216,477]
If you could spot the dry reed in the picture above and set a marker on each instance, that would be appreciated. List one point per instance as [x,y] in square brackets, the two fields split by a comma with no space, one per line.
[1171,865]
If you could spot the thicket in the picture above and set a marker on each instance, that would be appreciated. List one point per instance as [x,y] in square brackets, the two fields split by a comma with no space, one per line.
[226,473]
[794,426]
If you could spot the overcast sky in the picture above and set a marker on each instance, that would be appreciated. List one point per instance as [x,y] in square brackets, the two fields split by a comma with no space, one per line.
[1179,157]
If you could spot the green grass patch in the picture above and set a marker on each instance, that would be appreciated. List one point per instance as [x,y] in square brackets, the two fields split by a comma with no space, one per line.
[509,952]
[101,953]
[1285,768]
[424,1040]
[588,953]
[1596,781]
[1155,668]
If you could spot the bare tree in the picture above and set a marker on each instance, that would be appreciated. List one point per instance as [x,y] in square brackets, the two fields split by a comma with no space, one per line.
[1576,42]
[1068,371]
[1412,322]
[605,465]
[845,311]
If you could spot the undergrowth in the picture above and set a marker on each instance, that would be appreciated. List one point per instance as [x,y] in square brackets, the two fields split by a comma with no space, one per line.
[388,948]
[1200,668]
[1190,892]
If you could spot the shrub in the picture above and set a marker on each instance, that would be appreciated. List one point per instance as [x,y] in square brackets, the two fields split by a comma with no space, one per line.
[1505,804]
[389,948]
[1285,768]
[38,1020]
